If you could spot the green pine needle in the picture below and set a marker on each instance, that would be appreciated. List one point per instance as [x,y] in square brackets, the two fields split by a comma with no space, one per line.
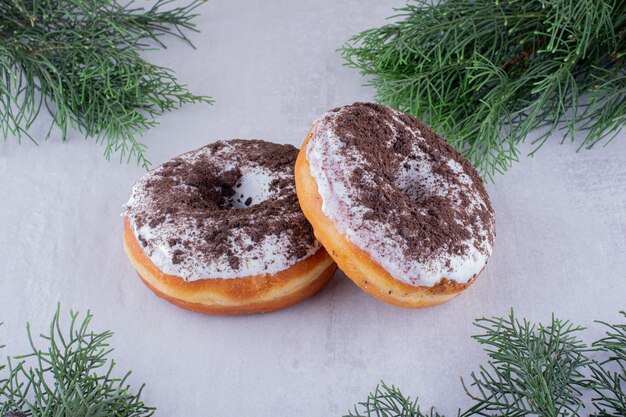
[533,370]
[70,375]
[487,73]
[83,62]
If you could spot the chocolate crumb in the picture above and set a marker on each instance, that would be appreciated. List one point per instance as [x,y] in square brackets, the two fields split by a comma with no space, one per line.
[177,256]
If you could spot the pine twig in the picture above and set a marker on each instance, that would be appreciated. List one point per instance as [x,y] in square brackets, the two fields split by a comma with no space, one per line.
[81,61]
[609,375]
[388,401]
[70,375]
[487,73]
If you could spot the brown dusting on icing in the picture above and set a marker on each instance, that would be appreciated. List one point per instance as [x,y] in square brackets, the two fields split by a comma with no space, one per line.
[430,223]
[201,192]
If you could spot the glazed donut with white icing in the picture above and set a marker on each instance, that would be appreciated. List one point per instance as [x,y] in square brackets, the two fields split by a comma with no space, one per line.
[219,230]
[403,214]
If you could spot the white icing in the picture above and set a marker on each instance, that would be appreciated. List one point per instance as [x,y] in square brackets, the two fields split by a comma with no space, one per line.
[267,256]
[333,171]
[255,184]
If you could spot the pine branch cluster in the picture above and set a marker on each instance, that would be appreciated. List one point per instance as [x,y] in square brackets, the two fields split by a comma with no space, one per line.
[486,73]
[83,62]
[71,375]
[533,370]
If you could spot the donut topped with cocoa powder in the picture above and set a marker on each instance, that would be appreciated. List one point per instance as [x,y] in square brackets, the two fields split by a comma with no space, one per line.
[401,193]
[226,210]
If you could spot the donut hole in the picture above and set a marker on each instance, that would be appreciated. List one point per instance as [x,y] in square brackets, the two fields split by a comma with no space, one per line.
[252,188]
[414,180]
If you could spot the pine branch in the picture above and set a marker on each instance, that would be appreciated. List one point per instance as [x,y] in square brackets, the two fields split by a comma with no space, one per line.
[486,73]
[533,370]
[609,376]
[70,376]
[81,61]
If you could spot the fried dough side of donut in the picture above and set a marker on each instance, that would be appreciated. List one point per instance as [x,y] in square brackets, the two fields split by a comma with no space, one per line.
[356,263]
[233,296]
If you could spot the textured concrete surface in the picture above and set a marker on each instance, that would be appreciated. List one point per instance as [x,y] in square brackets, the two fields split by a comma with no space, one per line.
[273,68]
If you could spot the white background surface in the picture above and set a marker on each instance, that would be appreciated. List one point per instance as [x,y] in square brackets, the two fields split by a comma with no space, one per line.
[272,68]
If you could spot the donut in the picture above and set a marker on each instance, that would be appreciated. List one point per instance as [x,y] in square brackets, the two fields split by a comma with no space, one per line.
[401,212]
[219,230]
